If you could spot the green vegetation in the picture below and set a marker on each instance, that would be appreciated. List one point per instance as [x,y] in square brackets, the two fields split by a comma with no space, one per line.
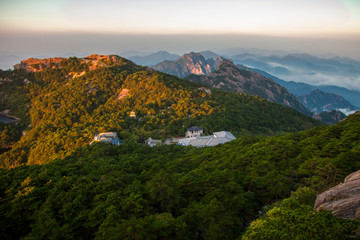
[14,88]
[67,104]
[295,218]
[171,192]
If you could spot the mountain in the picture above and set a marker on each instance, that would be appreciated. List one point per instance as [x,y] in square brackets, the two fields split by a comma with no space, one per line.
[67,101]
[333,73]
[192,63]
[209,54]
[319,101]
[298,88]
[330,117]
[154,58]
[229,77]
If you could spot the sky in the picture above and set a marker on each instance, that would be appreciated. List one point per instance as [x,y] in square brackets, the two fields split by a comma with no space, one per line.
[38,28]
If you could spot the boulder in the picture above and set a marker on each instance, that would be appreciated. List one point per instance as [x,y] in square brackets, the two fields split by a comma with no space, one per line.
[344,199]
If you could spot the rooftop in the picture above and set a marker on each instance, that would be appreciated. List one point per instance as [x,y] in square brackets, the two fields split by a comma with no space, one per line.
[195,128]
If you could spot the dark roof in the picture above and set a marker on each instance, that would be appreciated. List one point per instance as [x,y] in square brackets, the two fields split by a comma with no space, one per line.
[195,128]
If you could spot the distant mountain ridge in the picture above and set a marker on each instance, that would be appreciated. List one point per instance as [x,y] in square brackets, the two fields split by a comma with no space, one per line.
[319,101]
[154,58]
[299,88]
[303,72]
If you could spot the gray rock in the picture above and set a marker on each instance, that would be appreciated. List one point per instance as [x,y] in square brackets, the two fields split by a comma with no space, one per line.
[344,199]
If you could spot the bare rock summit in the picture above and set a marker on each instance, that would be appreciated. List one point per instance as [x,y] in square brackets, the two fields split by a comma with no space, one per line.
[344,199]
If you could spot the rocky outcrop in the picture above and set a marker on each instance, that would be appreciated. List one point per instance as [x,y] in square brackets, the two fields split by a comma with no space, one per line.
[229,77]
[93,61]
[36,65]
[192,63]
[344,199]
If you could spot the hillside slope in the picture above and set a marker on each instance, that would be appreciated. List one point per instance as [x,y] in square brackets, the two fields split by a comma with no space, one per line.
[172,192]
[229,77]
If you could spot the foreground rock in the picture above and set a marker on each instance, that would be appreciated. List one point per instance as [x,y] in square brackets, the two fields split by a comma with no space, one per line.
[344,199]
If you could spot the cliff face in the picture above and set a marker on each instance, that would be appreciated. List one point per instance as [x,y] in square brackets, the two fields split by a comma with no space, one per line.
[229,77]
[93,61]
[344,199]
[192,63]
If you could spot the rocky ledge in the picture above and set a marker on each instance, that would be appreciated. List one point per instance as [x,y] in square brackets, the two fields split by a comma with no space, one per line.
[93,61]
[344,199]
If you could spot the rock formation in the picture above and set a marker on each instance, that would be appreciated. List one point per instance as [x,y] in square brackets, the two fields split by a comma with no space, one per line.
[344,199]
[229,77]
[192,63]
[36,65]
[93,61]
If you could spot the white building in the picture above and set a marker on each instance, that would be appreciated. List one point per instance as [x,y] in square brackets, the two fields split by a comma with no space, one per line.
[208,141]
[194,131]
[107,137]
[152,142]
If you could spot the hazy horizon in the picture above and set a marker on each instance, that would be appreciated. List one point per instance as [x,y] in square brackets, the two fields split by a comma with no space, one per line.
[26,45]
[78,28]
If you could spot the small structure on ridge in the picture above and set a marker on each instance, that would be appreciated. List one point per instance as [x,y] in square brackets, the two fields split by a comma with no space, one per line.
[107,137]
[152,142]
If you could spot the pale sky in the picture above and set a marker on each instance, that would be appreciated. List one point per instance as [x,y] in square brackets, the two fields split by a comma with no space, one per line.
[264,17]
[34,28]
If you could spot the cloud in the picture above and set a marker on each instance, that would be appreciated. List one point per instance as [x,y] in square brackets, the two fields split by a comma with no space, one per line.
[318,79]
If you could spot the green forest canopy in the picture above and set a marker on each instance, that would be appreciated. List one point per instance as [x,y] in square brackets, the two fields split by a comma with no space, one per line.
[170,192]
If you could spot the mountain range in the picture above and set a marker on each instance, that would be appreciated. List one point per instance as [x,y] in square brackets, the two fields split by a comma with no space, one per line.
[279,65]
[154,58]
[300,88]
[318,101]
[305,68]
[66,101]
[197,64]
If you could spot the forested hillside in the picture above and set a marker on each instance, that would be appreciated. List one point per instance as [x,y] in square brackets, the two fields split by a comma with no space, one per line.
[64,102]
[171,192]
